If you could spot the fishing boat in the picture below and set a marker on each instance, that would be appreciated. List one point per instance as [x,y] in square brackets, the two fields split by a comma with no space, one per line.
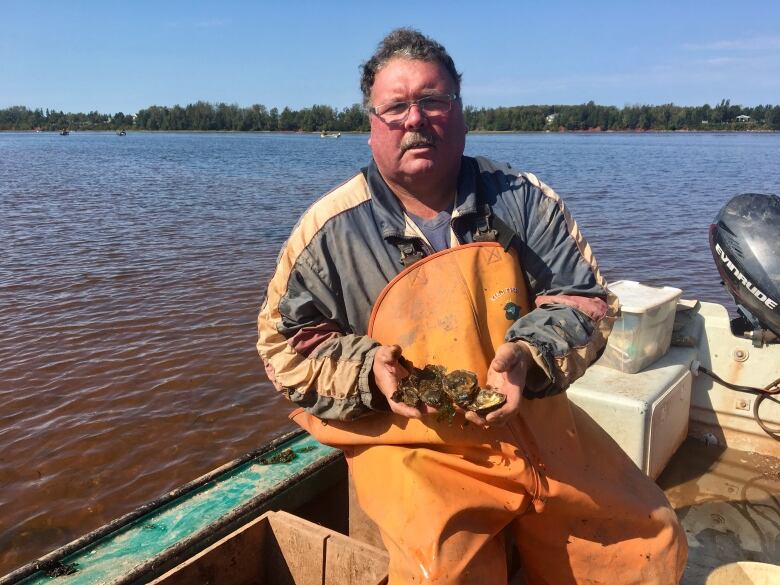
[64,132]
[685,389]
[121,133]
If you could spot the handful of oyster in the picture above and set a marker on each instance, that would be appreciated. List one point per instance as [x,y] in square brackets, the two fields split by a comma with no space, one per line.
[433,386]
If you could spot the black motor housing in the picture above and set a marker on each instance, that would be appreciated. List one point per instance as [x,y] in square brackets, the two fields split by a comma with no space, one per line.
[745,242]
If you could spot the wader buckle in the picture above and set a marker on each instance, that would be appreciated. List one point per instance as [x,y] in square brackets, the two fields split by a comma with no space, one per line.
[410,252]
[484,232]
[500,232]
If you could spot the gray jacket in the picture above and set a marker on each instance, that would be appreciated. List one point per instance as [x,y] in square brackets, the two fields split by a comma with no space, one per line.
[351,242]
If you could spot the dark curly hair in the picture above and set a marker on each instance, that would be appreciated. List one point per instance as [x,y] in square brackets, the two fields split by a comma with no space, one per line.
[407,43]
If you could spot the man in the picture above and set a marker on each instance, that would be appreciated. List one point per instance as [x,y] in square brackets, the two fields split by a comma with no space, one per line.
[430,257]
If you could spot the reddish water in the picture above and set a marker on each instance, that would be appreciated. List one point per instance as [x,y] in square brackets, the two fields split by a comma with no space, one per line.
[133,269]
[132,274]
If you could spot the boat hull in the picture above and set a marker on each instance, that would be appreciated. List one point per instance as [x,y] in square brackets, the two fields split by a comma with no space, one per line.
[723,480]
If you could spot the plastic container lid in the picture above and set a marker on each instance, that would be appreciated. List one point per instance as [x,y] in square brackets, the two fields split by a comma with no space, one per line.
[640,298]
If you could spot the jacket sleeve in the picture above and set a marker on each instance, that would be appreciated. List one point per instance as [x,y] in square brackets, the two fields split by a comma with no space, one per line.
[306,347]
[574,311]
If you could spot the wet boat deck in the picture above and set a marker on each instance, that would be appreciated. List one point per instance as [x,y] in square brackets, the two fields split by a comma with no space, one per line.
[729,504]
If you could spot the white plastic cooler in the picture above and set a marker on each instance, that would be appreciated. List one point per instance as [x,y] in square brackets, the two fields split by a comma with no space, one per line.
[643,330]
[645,413]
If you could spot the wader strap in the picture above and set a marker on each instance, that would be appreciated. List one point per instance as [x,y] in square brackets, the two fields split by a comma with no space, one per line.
[411,250]
[490,228]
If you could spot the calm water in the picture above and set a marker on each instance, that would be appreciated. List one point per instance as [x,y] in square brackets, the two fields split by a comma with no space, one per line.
[133,269]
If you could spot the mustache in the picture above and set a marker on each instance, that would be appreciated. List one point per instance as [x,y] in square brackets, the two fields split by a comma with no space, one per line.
[415,139]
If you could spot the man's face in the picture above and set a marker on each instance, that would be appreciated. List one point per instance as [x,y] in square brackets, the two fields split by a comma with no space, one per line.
[421,149]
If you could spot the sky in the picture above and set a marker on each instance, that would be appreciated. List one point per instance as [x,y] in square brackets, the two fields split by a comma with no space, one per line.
[114,56]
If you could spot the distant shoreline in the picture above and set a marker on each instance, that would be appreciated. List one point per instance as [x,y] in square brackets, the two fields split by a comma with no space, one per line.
[589,117]
[358,132]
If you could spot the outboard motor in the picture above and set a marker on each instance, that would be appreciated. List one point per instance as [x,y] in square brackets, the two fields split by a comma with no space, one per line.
[745,241]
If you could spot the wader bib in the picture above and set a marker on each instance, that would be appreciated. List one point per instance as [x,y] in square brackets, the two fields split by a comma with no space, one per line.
[442,494]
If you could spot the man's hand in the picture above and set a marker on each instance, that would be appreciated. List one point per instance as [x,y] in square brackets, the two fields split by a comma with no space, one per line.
[387,371]
[507,374]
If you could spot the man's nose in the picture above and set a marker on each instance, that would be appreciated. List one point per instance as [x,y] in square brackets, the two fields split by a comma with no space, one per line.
[415,118]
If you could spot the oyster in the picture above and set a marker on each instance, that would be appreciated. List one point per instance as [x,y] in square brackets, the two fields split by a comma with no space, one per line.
[406,395]
[430,388]
[444,392]
[487,399]
[407,389]
[461,386]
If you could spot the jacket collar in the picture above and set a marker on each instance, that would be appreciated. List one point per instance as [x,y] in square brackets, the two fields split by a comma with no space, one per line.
[389,213]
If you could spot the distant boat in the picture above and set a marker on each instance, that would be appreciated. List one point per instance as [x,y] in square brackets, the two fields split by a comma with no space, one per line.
[64,132]
[325,134]
[121,133]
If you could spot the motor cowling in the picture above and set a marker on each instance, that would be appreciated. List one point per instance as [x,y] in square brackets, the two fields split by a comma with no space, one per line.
[745,242]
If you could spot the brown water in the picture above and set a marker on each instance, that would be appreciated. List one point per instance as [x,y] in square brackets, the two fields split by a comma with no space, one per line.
[133,269]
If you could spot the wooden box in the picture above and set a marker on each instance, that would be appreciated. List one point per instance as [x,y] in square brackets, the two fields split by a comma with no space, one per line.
[281,549]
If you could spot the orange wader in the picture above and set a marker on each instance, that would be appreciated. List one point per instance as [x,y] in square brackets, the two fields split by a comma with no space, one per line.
[442,494]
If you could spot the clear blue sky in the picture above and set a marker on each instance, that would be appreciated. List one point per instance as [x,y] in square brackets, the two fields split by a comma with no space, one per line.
[115,56]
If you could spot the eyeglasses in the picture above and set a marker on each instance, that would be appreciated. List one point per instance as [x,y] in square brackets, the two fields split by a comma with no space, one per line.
[431,105]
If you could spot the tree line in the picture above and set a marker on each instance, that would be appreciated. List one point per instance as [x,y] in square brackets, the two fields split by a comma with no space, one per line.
[590,117]
[22,118]
[207,116]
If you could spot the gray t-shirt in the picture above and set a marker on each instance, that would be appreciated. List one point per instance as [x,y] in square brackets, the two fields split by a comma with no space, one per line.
[437,229]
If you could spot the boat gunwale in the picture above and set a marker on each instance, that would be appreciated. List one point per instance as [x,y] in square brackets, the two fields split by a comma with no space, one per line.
[216,530]
[126,521]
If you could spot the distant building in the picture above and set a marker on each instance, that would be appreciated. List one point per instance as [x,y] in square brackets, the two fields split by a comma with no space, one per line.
[551,118]
[705,122]
[743,118]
